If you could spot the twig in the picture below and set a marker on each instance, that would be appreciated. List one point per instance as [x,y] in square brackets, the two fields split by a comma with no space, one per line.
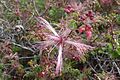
[3,2]
[52,49]
[27,57]
[117,67]
[98,60]
[23,47]
[2,40]
[5,21]
[45,11]
[11,70]
[92,67]
[97,77]
[35,7]
[29,18]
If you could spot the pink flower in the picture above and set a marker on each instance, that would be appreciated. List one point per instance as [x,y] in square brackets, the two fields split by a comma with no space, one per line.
[87,29]
[69,9]
[81,48]
[78,7]
[39,25]
[88,35]
[83,18]
[81,29]
[17,1]
[17,12]
[106,1]
[87,17]
[90,15]
[60,60]
[60,40]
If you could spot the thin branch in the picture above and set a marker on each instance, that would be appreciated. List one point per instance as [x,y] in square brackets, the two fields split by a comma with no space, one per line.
[28,57]
[117,67]
[29,18]
[21,46]
[91,67]
[4,4]
[34,4]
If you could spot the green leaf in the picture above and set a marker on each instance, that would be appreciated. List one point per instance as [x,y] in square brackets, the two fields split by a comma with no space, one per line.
[16,49]
[110,46]
[1,65]
[29,74]
[118,51]
[41,4]
[118,20]
[73,24]
[56,13]
[37,68]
